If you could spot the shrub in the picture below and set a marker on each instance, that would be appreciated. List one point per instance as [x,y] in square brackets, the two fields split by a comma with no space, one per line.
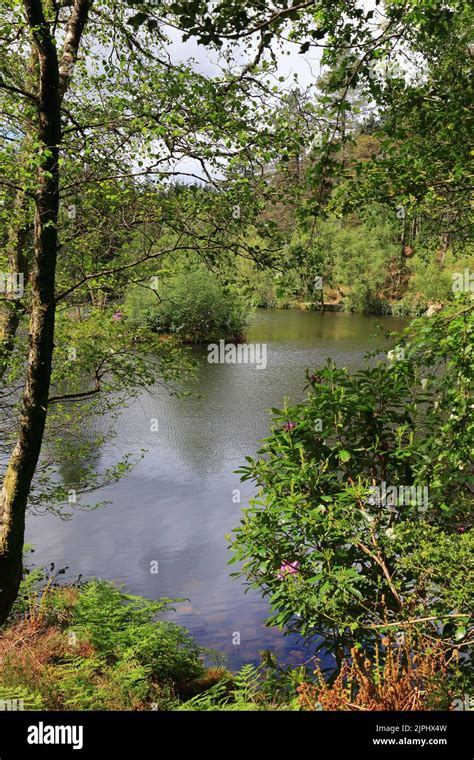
[338,560]
[95,647]
[361,262]
[396,677]
[193,305]
[251,689]
[19,698]
[124,627]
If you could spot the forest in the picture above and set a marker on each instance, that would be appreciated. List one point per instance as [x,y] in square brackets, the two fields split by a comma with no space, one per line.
[207,212]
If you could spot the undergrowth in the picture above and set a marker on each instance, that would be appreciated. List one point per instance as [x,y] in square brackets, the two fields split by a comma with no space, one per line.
[92,646]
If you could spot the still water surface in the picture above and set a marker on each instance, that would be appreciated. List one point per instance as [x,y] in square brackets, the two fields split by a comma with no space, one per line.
[177,505]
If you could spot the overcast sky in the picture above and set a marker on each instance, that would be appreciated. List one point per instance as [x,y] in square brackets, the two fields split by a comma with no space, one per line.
[306,66]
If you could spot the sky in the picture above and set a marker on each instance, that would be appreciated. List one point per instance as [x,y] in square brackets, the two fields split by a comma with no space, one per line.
[306,66]
[290,62]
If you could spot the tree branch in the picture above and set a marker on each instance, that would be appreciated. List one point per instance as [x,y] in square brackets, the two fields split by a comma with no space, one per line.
[73,396]
[115,270]
[380,562]
[18,91]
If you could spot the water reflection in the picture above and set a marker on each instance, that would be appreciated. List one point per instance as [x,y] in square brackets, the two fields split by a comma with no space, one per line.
[176,507]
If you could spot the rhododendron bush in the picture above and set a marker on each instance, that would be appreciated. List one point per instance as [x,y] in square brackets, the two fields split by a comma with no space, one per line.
[360,527]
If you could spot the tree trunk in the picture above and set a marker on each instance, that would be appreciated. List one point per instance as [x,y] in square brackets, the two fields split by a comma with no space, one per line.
[403,242]
[17,239]
[53,81]
[10,308]
[22,464]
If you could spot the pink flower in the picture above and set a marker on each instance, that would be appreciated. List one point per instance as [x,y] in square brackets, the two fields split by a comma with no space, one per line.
[289,426]
[288,568]
[117,315]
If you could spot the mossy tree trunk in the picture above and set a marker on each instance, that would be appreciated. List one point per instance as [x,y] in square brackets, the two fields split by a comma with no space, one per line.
[10,307]
[53,79]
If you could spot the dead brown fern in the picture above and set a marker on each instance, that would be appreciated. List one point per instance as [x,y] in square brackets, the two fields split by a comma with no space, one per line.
[397,676]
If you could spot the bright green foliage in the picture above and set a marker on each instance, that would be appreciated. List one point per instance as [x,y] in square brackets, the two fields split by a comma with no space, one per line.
[96,647]
[123,627]
[24,698]
[227,696]
[250,689]
[357,259]
[335,561]
[192,304]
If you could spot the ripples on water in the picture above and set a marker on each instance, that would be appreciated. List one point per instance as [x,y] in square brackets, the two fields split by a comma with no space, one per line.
[176,506]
